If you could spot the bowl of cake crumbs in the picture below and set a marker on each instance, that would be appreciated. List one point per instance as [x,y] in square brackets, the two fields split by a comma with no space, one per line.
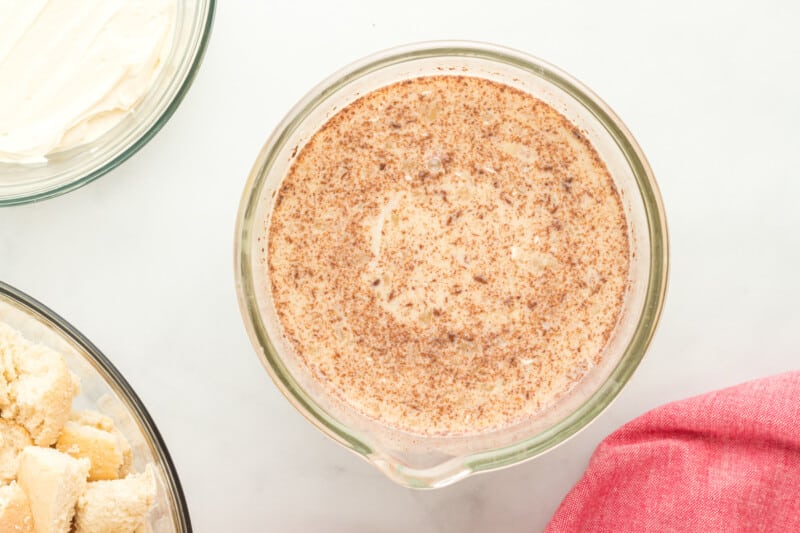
[78,451]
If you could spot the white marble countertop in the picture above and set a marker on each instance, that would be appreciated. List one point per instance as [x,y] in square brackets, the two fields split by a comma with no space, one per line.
[141,260]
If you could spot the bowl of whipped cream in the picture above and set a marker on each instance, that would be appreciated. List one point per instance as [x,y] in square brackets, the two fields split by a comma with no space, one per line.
[85,83]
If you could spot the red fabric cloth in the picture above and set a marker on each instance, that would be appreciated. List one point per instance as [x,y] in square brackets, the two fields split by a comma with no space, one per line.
[725,461]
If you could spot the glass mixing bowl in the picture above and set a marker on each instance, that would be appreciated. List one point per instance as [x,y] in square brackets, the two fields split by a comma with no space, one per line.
[70,169]
[422,461]
[104,389]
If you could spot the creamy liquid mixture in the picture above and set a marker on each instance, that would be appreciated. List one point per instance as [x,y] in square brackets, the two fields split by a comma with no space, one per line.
[448,255]
[70,70]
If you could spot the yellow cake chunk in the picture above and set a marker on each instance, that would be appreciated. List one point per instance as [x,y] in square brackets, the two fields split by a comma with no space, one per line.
[15,512]
[93,436]
[53,482]
[118,505]
[13,439]
[38,387]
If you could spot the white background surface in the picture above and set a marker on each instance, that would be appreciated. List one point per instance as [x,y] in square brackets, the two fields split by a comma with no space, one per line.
[141,260]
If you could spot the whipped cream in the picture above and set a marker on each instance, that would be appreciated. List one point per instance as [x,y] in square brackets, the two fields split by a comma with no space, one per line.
[70,70]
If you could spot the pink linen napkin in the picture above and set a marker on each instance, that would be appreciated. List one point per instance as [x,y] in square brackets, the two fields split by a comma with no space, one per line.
[724,461]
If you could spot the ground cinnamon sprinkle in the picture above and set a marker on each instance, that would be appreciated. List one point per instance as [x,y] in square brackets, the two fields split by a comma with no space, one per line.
[448,255]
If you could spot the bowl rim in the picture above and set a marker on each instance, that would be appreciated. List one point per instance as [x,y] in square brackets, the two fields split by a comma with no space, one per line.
[524,449]
[110,164]
[46,315]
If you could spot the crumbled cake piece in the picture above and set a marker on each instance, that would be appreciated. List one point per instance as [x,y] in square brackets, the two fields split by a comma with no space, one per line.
[10,343]
[38,387]
[13,439]
[101,421]
[93,436]
[115,506]
[15,512]
[53,482]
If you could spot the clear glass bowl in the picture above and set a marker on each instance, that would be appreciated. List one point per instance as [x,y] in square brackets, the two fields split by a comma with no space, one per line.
[105,390]
[70,169]
[426,462]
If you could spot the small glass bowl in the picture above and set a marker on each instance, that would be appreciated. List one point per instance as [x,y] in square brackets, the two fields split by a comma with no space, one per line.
[68,170]
[104,389]
[422,461]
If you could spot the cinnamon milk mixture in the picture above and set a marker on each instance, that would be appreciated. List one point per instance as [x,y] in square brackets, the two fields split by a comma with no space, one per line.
[448,255]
